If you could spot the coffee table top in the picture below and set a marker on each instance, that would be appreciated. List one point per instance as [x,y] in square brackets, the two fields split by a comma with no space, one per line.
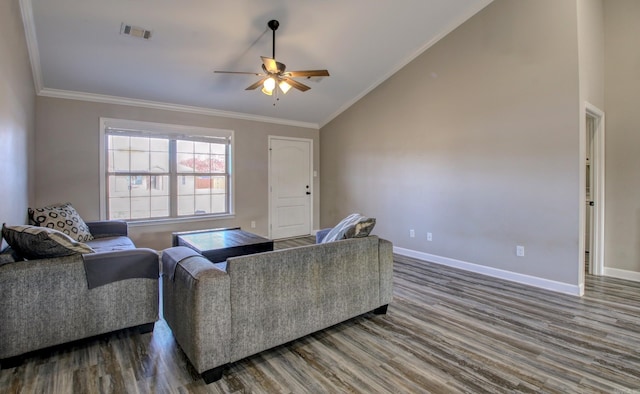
[219,239]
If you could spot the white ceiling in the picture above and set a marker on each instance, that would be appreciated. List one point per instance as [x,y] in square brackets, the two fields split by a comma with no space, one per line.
[77,50]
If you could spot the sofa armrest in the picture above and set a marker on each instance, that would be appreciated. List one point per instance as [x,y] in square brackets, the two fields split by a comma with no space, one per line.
[197,308]
[321,234]
[385,254]
[106,267]
[108,228]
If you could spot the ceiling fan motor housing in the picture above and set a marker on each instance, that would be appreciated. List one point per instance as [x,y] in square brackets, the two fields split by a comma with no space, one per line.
[273,24]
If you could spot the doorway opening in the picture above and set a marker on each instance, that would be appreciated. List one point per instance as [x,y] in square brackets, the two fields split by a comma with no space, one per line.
[593,229]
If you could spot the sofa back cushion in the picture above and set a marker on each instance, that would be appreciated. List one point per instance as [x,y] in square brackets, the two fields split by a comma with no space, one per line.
[110,244]
[282,295]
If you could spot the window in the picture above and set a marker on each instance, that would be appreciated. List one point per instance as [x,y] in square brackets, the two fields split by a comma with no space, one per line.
[152,172]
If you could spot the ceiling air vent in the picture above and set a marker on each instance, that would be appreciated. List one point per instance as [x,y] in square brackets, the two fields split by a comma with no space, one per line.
[135,31]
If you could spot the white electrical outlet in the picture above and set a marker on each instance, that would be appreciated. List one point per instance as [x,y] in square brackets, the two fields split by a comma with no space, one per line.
[429,237]
[520,251]
[412,233]
[253,224]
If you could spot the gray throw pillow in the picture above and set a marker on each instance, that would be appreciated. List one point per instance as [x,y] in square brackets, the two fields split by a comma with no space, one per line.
[353,226]
[61,217]
[33,242]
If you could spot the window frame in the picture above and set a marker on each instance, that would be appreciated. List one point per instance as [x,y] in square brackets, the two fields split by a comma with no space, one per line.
[173,133]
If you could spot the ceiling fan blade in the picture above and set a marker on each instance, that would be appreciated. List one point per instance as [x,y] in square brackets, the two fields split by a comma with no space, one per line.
[308,73]
[238,72]
[255,85]
[300,86]
[270,64]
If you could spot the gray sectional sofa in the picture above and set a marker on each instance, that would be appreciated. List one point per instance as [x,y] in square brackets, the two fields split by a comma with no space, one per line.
[51,301]
[224,312]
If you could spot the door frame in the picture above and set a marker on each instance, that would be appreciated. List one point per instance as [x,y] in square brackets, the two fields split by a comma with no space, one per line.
[311,179]
[597,165]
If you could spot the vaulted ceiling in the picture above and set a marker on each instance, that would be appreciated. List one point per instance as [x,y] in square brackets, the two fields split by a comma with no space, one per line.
[77,50]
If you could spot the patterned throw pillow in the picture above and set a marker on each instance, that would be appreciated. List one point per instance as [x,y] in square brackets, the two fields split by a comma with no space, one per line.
[353,226]
[33,242]
[361,229]
[62,218]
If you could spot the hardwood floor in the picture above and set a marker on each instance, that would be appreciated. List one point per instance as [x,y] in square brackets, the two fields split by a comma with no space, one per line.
[446,331]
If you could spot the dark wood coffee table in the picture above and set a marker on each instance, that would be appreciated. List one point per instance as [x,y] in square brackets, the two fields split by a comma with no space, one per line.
[219,244]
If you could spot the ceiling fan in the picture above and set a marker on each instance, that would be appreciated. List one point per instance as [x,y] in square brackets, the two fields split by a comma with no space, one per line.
[274,73]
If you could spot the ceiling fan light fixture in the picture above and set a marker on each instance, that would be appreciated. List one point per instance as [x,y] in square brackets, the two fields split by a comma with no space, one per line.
[268,86]
[284,86]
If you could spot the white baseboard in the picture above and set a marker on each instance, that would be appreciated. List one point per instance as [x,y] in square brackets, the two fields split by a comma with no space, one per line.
[547,284]
[622,274]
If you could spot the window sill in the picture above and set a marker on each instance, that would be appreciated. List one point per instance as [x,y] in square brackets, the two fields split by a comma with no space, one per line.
[199,218]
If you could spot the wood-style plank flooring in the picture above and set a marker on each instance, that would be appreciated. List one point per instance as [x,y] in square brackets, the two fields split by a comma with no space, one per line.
[446,331]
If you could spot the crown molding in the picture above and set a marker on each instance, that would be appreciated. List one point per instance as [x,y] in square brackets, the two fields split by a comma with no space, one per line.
[100,98]
[26,9]
[400,65]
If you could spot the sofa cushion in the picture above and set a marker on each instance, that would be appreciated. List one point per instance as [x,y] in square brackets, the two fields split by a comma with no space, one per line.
[110,244]
[62,217]
[353,226]
[32,242]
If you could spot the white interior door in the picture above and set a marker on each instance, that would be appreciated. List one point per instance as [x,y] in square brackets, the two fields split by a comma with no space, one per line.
[290,183]
[595,203]
[590,201]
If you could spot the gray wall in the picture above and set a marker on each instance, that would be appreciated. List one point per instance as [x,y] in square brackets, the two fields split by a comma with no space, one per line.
[67,165]
[475,141]
[591,51]
[622,145]
[17,114]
